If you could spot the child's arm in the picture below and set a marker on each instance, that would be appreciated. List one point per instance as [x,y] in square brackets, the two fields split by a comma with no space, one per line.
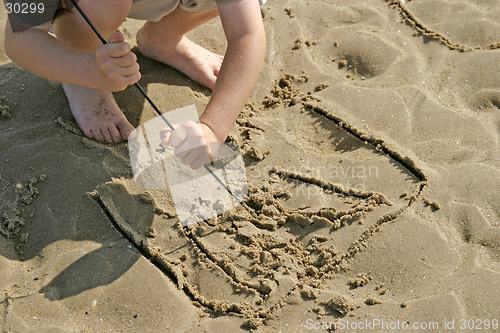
[113,67]
[244,29]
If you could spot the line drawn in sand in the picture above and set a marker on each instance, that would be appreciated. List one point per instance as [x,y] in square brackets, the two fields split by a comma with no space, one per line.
[235,263]
[421,28]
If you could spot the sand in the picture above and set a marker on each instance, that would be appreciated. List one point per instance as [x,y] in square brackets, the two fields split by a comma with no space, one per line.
[371,146]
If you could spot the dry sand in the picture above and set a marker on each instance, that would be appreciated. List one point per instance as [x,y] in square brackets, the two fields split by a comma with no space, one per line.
[372,150]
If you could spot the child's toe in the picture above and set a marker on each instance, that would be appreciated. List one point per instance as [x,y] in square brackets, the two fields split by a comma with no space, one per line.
[97,135]
[125,128]
[87,132]
[107,135]
[115,134]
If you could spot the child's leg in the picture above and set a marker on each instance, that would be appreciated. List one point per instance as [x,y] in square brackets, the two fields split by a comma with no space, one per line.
[95,111]
[165,41]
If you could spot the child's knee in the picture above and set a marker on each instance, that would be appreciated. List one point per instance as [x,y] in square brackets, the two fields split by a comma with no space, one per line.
[110,13]
[107,15]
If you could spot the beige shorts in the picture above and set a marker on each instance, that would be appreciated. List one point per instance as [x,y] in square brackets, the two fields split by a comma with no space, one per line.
[154,10]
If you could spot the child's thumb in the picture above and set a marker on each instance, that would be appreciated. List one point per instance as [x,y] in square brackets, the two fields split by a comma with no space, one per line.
[165,136]
[117,37]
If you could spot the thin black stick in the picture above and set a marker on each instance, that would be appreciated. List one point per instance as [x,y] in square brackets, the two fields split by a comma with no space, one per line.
[207,167]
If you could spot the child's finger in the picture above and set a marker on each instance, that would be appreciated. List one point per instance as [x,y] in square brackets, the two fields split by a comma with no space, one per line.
[125,60]
[130,79]
[186,146]
[116,37]
[199,162]
[178,136]
[165,136]
[117,50]
[130,70]
[181,151]
[191,156]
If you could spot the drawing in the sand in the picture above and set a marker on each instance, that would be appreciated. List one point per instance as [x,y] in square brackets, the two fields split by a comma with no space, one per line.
[371,157]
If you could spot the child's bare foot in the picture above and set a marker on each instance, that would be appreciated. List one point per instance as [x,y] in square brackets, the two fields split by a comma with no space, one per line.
[191,59]
[97,114]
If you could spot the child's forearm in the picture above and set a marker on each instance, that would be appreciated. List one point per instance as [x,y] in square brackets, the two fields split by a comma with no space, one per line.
[44,55]
[239,73]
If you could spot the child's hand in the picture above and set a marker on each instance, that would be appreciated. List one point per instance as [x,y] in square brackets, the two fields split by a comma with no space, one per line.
[195,143]
[115,66]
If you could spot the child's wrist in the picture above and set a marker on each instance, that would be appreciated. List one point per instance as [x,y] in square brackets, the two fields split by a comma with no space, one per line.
[212,134]
[93,74]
